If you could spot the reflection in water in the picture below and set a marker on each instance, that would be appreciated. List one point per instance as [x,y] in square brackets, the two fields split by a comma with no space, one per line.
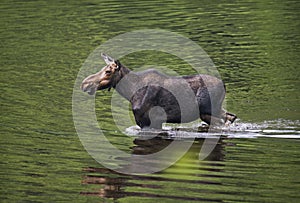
[187,171]
[239,169]
[111,186]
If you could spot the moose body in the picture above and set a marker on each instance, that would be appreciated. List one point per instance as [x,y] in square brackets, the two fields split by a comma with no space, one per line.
[157,98]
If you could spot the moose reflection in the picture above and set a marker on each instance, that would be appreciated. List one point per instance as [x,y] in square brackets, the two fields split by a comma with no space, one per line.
[114,185]
[157,98]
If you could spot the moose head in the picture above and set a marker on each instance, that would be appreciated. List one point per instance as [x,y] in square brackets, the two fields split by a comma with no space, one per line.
[107,77]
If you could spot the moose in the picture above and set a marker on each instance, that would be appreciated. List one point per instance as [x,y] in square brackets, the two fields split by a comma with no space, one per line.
[157,98]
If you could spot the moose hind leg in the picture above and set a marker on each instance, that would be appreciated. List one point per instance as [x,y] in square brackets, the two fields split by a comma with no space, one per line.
[228,117]
[211,120]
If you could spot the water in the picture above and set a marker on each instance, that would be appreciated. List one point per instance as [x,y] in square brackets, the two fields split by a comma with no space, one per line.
[254,45]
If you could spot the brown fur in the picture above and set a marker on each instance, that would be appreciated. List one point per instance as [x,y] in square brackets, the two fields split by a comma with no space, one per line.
[153,95]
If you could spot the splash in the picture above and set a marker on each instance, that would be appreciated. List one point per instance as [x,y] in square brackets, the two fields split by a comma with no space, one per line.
[279,128]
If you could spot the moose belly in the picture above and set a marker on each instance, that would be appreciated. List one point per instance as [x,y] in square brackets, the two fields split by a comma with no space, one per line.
[178,110]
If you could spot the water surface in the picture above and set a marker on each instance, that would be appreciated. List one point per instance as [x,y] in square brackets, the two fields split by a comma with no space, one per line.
[254,45]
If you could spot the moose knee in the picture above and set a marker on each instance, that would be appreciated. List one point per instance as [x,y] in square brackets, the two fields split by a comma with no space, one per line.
[157,113]
[137,110]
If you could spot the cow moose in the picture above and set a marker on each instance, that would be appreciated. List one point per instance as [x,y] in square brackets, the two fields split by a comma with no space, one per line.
[157,98]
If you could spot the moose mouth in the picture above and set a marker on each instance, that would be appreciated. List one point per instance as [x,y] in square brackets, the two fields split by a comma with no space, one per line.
[89,88]
[91,91]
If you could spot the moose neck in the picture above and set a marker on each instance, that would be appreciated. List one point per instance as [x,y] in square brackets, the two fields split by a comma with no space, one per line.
[127,82]
[124,71]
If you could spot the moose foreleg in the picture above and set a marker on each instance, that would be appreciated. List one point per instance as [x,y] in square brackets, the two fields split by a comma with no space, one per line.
[142,103]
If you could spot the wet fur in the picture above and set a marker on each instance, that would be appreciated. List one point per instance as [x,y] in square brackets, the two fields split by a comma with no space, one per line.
[152,104]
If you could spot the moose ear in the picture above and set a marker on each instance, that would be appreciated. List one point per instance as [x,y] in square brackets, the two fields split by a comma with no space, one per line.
[118,64]
[108,60]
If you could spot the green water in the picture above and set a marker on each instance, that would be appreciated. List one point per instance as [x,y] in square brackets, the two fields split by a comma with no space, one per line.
[254,45]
